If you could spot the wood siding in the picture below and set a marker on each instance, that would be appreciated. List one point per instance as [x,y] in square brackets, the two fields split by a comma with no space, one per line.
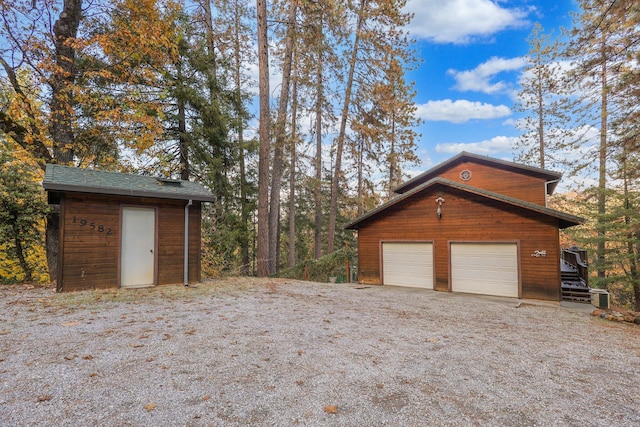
[502,181]
[466,218]
[90,240]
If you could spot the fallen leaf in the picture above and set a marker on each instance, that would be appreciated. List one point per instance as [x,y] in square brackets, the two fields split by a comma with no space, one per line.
[70,357]
[88,357]
[74,323]
[150,406]
[4,332]
[93,375]
[44,398]
[206,397]
[300,352]
[331,409]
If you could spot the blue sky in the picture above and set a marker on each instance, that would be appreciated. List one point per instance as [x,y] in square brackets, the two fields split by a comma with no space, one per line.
[472,53]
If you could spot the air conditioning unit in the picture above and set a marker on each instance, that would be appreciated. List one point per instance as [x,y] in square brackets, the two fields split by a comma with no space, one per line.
[599,298]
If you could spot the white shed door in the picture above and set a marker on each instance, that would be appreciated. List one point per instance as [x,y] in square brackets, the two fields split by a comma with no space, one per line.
[407,264]
[485,268]
[137,260]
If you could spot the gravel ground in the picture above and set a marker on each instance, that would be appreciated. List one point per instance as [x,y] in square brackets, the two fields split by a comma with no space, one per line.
[253,352]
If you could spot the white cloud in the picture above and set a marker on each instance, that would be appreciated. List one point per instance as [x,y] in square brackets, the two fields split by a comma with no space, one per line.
[511,123]
[461,21]
[480,78]
[460,111]
[498,144]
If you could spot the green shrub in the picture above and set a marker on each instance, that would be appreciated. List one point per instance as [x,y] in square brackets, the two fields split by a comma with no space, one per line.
[320,270]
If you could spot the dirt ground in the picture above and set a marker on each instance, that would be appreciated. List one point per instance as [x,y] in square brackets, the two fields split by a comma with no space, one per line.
[245,351]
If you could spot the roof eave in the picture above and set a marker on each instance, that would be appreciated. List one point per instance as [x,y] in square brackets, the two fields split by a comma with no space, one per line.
[121,192]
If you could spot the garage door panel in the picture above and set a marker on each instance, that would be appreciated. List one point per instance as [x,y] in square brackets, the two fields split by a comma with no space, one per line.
[408,264]
[485,268]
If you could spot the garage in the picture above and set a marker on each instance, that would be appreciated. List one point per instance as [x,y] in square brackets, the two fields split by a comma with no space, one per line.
[486,226]
[485,268]
[408,264]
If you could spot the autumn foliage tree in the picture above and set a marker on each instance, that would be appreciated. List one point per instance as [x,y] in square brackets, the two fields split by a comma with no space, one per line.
[22,209]
[162,87]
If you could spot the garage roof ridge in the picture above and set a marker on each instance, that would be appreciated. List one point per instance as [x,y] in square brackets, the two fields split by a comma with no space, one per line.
[465,155]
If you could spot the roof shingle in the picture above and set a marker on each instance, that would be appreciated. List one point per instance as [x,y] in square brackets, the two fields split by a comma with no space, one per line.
[60,178]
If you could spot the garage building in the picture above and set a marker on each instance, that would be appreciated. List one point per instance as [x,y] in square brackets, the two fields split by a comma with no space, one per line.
[472,224]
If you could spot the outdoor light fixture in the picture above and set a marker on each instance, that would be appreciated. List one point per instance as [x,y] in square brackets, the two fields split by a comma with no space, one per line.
[439,201]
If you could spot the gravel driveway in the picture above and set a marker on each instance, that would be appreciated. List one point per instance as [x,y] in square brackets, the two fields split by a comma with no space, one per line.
[254,352]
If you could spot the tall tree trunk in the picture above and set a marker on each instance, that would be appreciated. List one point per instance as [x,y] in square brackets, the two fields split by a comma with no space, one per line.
[393,158]
[280,136]
[61,82]
[208,24]
[28,276]
[540,95]
[360,176]
[245,212]
[292,173]
[264,152]
[182,133]
[337,173]
[602,172]
[633,244]
[317,188]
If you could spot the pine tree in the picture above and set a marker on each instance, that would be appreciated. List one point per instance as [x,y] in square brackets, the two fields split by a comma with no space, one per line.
[545,126]
[376,39]
[594,47]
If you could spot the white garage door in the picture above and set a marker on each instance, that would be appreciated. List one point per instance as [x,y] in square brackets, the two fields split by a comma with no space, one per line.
[407,264]
[485,268]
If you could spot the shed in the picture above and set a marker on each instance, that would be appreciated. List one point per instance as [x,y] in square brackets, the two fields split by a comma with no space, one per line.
[123,230]
[471,224]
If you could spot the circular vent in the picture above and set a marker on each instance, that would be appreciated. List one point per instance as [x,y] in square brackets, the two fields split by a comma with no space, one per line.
[465,175]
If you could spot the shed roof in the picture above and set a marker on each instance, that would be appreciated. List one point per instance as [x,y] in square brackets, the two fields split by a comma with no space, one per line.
[566,220]
[60,178]
[550,176]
